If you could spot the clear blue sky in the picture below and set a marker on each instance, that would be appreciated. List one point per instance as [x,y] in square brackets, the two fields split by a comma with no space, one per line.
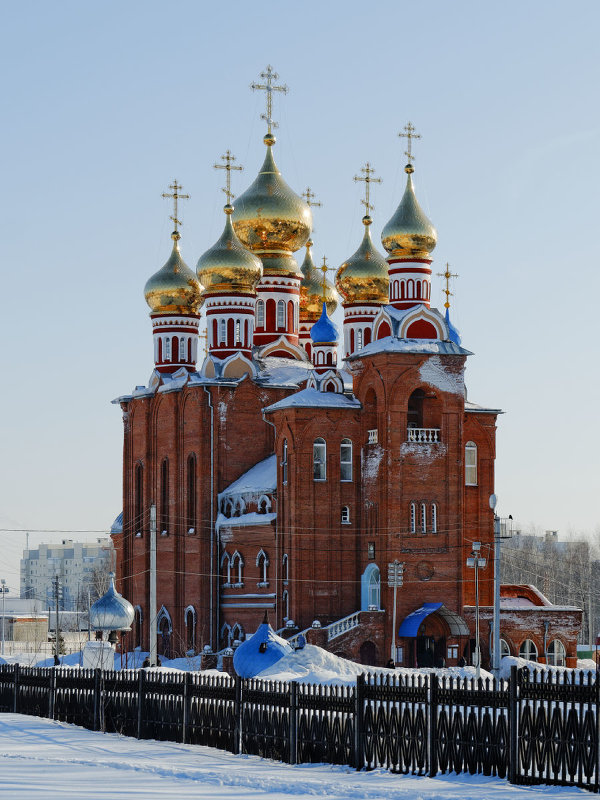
[105,103]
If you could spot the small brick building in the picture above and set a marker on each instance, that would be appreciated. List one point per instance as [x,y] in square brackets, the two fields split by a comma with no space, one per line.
[288,482]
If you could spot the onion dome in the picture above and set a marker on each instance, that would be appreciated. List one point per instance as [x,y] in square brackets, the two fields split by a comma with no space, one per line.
[324,331]
[453,333]
[270,219]
[363,278]
[409,233]
[311,290]
[259,652]
[174,289]
[227,266]
[111,612]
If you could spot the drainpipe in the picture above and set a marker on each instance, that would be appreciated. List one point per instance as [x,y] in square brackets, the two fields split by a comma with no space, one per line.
[546,626]
[212,522]
[277,554]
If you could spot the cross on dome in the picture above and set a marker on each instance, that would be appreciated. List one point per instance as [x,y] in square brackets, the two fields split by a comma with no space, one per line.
[175,196]
[324,269]
[409,133]
[268,86]
[309,196]
[447,275]
[228,158]
[367,180]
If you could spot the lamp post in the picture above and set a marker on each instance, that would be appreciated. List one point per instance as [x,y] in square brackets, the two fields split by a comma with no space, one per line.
[477,562]
[395,579]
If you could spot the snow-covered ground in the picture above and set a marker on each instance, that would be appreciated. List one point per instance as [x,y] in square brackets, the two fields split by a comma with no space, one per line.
[42,758]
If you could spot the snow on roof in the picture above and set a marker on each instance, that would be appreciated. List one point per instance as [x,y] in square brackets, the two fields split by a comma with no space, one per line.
[391,344]
[311,398]
[474,408]
[252,518]
[433,371]
[262,477]
[259,652]
[283,371]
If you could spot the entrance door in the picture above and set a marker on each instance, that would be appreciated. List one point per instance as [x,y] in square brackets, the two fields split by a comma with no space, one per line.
[425,651]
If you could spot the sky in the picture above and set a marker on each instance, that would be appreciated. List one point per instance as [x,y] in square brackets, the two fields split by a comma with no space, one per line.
[106,103]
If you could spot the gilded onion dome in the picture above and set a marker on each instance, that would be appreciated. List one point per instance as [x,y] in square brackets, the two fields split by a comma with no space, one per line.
[270,218]
[227,266]
[363,278]
[174,289]
[409,233]
[311,290]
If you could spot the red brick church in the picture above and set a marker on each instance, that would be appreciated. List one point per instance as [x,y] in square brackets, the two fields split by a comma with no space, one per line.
[290,466]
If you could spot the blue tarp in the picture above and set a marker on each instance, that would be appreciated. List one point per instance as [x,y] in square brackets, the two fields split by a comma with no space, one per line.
[411,623]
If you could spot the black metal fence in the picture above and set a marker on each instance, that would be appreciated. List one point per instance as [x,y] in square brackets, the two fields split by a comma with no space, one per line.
[540,728]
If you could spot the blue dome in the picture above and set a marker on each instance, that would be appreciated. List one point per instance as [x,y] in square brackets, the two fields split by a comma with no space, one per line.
[111,612]
[260,651]
[452,331]
[324,331]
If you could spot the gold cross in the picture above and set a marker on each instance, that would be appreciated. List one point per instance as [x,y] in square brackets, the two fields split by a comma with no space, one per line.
[269,76]
[309,197]
[409,133]
[175,197]
[368,180]
[228,158]
[447,291]
[324,269]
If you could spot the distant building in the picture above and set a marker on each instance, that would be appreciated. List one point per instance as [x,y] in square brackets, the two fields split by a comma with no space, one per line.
[79,566]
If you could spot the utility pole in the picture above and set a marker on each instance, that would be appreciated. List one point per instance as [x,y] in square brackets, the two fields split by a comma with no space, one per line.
[496,624]
[477,562]
[153,631]
[395,579]
[57,631]
[4,591]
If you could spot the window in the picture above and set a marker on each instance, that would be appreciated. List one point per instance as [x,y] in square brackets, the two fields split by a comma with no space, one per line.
[371,550]
[167,349]
[345,515]
[471,464]
[191,495]
[452,651]
[262,562]
[164,498]
[237,332]
[413,518]
[137,627]
[346,460]
[260,314]
[319,460]
[528,650]
[433,518]
[423,518]
[138,522]
[182,349]
[281,314]
[359,339]
[374,589]
[237,562]
[226,567]
[372,436]
[556,655]
[190,628]
[504,648]
[284,463]
[223,332]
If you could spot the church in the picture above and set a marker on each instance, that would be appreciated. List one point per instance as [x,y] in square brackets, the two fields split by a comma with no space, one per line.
[301,471]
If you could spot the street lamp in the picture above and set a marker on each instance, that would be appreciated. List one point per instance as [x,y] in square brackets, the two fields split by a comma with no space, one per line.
[395,580]
[478,563]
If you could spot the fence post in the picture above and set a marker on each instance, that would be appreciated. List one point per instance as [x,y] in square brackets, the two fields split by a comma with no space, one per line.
[16,689]
[140,708]
[293,722]
[513,733]
[52,694]
[433,715]
[237,713]
[186,706]
[96,700]
[359,700]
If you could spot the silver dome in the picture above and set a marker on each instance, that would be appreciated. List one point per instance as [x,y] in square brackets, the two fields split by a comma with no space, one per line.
[111,612]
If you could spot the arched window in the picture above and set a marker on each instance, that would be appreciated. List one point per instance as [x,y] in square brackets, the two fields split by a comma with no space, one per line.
[423,518]
[290,316]
[262,562]
[237,633]
[191,494]
[528,650]
[284,463]
[281,315]
[138,522]
[471,464]
[402,290]
[557,654]
[164,497]
[410,289]
[504,648]
[359,339]
[285,602]
[260,314]
[223,332]
[182,349]
[168,348]
[190,628]
[226,568]
[351,340]
[285,566]
[237,563]
[345,515]
[346,460]
[319,460]
[374,589]
[413,518]
[230,332]
[433,518]
[137,627]
[226,637]
[237,332]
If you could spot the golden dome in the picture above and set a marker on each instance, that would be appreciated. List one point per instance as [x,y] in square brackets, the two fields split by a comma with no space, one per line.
[363,278]
[409,233]
[311,290]
[227,266]
[174,289]
[270,219]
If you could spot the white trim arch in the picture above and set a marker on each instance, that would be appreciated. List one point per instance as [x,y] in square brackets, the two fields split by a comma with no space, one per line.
[421,312]
[162,615]
[369,594]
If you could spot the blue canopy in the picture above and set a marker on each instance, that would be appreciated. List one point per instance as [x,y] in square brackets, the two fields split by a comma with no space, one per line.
[412,623]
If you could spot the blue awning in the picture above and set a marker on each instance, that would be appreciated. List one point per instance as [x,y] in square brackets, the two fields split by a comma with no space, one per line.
[412,623]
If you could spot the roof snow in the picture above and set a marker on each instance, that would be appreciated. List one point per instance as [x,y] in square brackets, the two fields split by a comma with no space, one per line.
[311,398]
[276,371]
[262,477]
[253,518]
[434,372]
[473,407]
[390,344]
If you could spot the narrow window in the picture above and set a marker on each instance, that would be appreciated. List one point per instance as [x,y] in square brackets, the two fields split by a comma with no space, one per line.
[236,561]
[262,562]
[413,518]
[319,460]
[423,518]
[190,629]
[281,314]
[182,349]
[557,655]
[471,464]
[191,494]
[223,332]
[374,592]
[371,550]
[164,498]
[260,314]
[237,332]
[345,515]
[226,567]
[433,518]
[284,463]
[359,339]
[167,349]
[138,522]
[137,627]
[346,460]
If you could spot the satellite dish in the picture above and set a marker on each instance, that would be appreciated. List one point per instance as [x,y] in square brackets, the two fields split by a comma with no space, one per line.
[493,501]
